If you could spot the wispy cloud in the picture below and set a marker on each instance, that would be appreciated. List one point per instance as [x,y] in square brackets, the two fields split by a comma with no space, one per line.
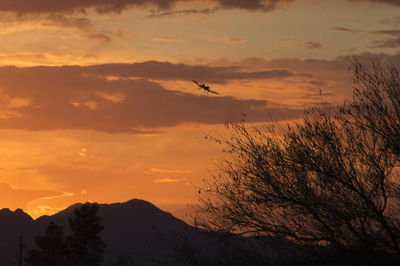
[391,2]
[389,21]
[235,40]
[167,39]
[226,40]
[204,11]
[167,171]
[79,25]
[166,180]
[303,44]
[392,42]
[344,29]
[20,198]
[99,37]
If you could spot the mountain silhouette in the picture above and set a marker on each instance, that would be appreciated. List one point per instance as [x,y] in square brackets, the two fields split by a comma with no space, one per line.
[138,233]
[135,232]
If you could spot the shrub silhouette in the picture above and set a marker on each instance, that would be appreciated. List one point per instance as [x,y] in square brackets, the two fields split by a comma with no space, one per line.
[330,180]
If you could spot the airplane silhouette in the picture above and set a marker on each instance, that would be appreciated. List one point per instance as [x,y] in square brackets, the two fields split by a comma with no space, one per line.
[204,87]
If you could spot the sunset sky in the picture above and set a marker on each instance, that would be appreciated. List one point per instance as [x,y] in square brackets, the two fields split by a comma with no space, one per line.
[97,101]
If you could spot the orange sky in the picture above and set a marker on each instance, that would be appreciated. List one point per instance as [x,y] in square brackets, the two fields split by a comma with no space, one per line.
[97,102]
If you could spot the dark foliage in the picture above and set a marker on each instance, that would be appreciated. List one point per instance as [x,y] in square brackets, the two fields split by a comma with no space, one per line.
[83,248]
[329,181]
[52,248]
[85,245]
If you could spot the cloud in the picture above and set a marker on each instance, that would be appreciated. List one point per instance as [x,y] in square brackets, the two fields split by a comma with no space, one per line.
[352,31]
[169,71]
[392,42]
[226,40]
[166,180]
[236,40]
[73,97]
[204,11]
[58,20]
[19,198]
[264,5]
[23,7]
[99,37]
[80,26]
[166,171]
[312,45]
[167,39]
[49,21]
[388,21]
[304,44]
[392,2]
[333,77]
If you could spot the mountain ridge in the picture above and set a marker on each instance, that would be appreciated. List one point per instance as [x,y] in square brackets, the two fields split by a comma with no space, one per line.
[134,231]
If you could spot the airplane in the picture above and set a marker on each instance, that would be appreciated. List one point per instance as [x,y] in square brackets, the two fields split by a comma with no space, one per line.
[204,87]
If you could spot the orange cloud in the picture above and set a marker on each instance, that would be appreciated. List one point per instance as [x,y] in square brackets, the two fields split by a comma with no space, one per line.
[165,171]
[73,97]
[19,198]
[227,40]
[236,40]
[167,39]
[166,180]
[305,44]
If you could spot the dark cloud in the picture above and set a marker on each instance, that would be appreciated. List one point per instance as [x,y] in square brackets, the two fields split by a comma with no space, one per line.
[100,37]
[331,76]
[44,98]
[184,12]
[392,2]
[352,31]
[303,44]
[392,42]
[388,21]
[169,71]
[57,20]
[265,5]
[312,45]
[22,7]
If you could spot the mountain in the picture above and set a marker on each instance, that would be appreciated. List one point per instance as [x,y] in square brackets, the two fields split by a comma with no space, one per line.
[135,232]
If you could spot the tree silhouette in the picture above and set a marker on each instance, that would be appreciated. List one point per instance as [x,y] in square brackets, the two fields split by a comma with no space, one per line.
[52,248]
[330,180]
[85,245]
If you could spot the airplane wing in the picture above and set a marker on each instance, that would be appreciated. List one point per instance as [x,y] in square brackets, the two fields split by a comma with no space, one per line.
[213,92]
[196,83]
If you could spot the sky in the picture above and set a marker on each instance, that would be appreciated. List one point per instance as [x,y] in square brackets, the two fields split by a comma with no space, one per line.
[97,101]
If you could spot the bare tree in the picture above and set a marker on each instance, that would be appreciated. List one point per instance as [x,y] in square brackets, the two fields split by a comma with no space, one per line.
[329,180]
